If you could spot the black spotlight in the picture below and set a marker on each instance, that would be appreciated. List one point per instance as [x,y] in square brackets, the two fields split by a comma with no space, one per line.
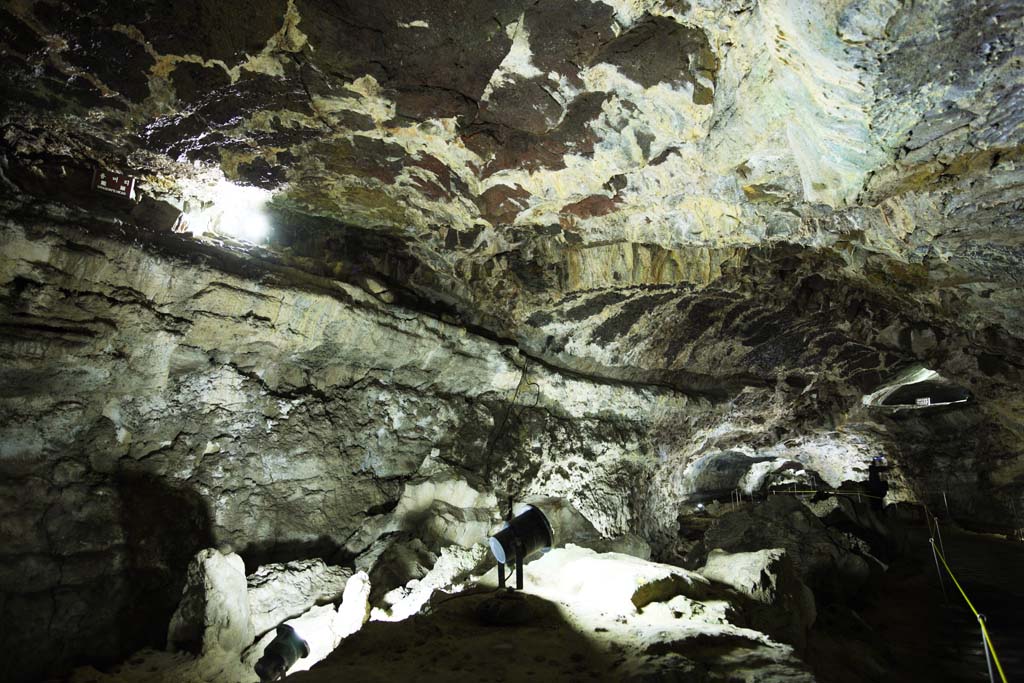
[522,535]
[284,650]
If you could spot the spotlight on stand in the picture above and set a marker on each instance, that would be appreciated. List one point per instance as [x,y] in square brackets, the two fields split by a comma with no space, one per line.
[526,531]
[524,534]
[284,650]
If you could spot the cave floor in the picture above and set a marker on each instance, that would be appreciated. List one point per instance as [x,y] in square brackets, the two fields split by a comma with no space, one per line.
[582,627]
[583,623]
[929,638]
[451,644]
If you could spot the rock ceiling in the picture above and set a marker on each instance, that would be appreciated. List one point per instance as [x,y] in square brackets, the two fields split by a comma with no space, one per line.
[698,195]
[518,151]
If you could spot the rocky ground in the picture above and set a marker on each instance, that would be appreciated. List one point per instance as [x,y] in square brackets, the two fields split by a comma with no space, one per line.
[583,616]
[743,615]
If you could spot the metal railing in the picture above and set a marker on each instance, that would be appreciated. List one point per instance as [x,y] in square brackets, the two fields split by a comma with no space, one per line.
[738,496]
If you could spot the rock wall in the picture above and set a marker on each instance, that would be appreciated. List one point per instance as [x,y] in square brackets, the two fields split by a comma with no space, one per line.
[154,405]
[163,396]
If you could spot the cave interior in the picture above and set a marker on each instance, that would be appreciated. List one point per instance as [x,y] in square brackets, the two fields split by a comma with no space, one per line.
[302,301]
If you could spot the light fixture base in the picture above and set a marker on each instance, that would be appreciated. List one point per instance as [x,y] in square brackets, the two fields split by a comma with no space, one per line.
[506,608]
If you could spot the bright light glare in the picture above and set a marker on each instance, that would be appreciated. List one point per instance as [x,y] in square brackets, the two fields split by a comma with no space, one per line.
[237,211]
[912,375]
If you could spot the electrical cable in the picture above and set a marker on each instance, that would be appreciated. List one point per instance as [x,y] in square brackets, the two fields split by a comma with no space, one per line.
[496,432]
[465,594]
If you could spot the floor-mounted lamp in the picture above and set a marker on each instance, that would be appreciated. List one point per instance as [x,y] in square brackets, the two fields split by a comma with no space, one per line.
[522,535]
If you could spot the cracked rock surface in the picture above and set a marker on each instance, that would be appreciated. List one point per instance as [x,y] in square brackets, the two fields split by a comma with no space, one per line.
[272,418]
[277,592]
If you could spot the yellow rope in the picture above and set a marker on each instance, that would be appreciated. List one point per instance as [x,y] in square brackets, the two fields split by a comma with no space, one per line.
[984,631]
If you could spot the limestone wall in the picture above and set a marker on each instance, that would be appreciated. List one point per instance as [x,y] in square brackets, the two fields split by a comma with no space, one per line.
[153,405]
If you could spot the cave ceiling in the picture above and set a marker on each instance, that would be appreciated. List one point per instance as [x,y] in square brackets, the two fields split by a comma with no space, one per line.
[683,192]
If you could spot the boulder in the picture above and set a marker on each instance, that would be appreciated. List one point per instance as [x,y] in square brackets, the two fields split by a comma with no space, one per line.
[214,609]
[568,525]
[447,487]
[829,569]
[442,508]
[394,561]
[860,520]
[281,591]
[323,627]
[355,605]
[619,584]
[782,606]
[454,566]
[445,524]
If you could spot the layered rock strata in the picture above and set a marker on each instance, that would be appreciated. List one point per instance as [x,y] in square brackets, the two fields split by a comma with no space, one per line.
[154,406]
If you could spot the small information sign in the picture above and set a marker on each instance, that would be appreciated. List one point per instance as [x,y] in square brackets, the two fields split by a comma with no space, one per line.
[926,401]
[113,183]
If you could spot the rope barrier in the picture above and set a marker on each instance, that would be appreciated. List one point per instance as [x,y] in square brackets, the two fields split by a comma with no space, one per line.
[990,647]
[833,493]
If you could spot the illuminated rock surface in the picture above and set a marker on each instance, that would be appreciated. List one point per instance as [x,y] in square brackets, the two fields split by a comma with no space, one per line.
[769,578]
[584,625]
[214,610]
[280,591]
[653,258]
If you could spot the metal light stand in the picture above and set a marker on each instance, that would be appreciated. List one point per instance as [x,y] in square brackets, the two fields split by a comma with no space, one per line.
[984,646]
[938,570]
[520,551]
[501,565]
